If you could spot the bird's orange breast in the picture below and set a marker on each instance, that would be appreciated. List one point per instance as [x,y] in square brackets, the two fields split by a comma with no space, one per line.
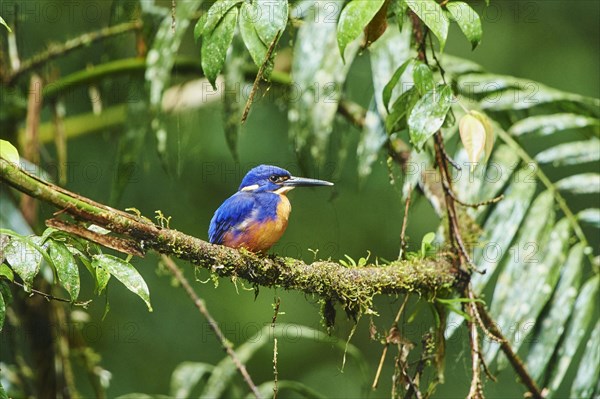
[259,236]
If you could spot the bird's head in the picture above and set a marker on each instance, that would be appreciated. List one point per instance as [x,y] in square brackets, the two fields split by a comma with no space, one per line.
[267,178]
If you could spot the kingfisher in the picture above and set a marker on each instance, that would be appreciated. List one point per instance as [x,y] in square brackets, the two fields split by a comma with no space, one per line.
[256,216]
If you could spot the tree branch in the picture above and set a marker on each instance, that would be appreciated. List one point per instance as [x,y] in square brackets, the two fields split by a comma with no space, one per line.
[353,287]
[70,45]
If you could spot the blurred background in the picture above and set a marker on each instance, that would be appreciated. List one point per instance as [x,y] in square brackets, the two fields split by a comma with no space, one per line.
[553,42]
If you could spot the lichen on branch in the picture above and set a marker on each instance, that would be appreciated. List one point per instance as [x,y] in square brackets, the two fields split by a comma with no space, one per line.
[353,287]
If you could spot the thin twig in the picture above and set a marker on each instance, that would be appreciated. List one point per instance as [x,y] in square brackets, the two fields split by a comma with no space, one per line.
[259,76]
[512,357]
[199,302]
[70,45]
[404,224]
[275,371]
[50,297]
[468,204]
[476,389]
[387,343]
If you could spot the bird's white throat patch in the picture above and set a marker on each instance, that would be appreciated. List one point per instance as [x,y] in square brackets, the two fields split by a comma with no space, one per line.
[283,189]
[250,188]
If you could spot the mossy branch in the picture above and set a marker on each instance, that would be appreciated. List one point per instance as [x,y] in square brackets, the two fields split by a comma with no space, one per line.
[354,287]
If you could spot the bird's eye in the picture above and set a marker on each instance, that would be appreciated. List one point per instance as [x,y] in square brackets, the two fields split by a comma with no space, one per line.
[275,178]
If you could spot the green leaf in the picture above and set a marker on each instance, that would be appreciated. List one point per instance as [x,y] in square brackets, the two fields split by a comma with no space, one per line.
[400,110]
[581,318]
[24,259]
[426,242]
[159,64]
[256,47]
[433,16]
[585,183]
[468,21]
[391,85]
[186,376]
[102,276]
[533,292]
[428,114]
[590,216]
[551,326]
[216,13]
[125,273]
[272,19]
[319,75]
[2,311]
[3,23]
[6,272]
[199,27]
[572,153]
[354,18]
[390,50]
[266,389]
[215,44]
[9,152]
[544,125]
[524,254]
[588,373]
[66,267]
[423,77]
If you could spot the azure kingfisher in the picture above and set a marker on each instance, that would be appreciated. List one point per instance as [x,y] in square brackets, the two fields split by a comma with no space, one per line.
[256,216]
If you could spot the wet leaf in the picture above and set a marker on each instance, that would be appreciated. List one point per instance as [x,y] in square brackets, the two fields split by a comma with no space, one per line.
[532,293]
[581,319]
[392,83]
[573,153]
[428,114]
[6,272]
[66,267]
[353,19]
[544,125]
[552,325]
[392,49]
[585,183]
[9,152]
[125,273]
[186,376]
[216,13]
[402,107]
[468,21]
[159,63]
[272,18]
[256,47]
[590,216]
[215,43]
[423,77]
[24,259]
[588,373]
[318,74]
[433,16]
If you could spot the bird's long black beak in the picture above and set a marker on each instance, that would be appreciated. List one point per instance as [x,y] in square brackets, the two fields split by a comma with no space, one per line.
[304,182]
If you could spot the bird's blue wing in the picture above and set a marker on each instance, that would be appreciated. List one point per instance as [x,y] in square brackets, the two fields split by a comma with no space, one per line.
[231,213]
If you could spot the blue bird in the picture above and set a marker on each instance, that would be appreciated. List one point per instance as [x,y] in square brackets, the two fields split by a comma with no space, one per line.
[257,215]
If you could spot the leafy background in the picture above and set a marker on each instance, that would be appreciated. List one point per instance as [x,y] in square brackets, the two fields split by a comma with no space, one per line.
[141,349]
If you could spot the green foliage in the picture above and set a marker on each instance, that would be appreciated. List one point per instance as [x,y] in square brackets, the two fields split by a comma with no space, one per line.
[429,114]
[353,19]
[9,152]
[468,21]
[431,13]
